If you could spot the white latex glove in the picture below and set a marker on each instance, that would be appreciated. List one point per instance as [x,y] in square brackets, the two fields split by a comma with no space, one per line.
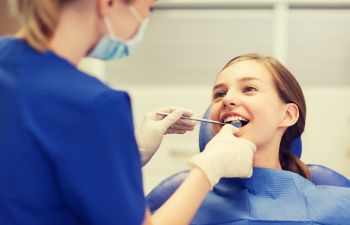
[155,126]
[226,156]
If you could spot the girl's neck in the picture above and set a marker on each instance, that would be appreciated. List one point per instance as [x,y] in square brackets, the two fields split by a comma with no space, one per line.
[267,156]
[266,160]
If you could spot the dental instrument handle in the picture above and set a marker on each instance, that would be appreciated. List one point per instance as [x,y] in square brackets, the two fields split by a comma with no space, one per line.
[236,123]
[193,118]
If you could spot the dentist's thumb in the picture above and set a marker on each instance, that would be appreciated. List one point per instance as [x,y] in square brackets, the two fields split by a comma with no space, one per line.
[229,129]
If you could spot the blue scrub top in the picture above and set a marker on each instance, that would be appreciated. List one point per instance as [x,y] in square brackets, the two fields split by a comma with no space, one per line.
[68,154]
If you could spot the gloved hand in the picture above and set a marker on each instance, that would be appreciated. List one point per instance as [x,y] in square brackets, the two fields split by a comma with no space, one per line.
[155,126]
[226,156]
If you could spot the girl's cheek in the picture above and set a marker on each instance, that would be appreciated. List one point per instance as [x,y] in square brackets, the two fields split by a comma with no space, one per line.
[215,115]
[215,112]
[216,128]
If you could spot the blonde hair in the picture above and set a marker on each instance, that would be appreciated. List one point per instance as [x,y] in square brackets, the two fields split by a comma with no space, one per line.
[39,19]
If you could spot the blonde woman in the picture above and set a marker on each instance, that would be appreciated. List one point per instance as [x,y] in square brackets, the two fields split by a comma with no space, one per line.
[68,154]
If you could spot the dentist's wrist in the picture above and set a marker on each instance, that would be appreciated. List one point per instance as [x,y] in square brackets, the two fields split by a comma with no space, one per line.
[146,155]
[199,161]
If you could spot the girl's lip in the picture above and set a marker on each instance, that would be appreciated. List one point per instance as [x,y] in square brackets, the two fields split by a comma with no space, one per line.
[239,132]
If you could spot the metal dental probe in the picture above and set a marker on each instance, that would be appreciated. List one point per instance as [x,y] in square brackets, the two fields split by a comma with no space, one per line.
[235,123]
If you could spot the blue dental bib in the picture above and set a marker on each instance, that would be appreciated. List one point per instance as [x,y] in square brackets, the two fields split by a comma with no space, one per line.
[272,197]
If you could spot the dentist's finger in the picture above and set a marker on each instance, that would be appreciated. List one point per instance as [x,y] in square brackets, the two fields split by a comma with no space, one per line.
[228,128]
[187,122]
[181,127]
[170,109]
[172,118]
[175,131]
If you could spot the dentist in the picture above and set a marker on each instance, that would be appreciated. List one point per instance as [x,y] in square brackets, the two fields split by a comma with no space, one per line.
[68,154]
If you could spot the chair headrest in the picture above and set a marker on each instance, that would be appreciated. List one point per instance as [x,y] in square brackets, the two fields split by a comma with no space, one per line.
[206,133]
[322,175]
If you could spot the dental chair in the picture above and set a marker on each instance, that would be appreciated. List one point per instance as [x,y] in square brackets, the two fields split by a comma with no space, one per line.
[321,175]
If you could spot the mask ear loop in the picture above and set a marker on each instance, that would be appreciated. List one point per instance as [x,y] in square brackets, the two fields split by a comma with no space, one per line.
[135,13]
[109,27]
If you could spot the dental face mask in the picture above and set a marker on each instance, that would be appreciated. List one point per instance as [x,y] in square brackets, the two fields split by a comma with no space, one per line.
[111,47]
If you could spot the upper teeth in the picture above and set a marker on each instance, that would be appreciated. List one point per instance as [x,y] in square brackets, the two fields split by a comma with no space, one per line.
[233,118]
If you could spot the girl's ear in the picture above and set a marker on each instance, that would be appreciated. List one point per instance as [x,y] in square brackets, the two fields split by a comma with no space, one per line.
[290,115]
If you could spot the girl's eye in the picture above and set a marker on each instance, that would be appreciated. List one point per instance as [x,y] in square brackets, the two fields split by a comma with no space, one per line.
[249,89]
[219,94]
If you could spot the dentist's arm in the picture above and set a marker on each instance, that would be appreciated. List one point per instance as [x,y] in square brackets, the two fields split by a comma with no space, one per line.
[184,203]
[224,156]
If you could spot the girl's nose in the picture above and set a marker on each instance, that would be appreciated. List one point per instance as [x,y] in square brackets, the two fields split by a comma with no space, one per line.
[230,100]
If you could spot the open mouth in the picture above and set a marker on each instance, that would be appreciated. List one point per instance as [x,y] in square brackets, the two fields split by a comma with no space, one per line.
[230,119]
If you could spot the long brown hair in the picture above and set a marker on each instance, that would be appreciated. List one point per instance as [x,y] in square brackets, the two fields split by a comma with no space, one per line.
[39,19]
[289,91]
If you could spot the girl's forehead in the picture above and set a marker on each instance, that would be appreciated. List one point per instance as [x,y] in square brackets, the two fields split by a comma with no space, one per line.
[242,70]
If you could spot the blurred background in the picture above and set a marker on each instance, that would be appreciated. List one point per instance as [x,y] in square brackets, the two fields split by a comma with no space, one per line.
[188,42]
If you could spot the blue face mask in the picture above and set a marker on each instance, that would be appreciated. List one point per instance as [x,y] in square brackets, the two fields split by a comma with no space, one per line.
[111,47]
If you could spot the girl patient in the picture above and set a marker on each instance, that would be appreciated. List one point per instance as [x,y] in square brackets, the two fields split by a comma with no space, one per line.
[267,99]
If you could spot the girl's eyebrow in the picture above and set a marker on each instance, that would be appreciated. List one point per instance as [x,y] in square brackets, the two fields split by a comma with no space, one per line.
[220,85]
[241,80]
[244,79]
